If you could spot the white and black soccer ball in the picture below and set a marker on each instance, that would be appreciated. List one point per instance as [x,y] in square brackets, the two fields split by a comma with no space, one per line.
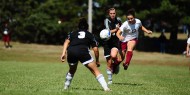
[105,34]
[5,32]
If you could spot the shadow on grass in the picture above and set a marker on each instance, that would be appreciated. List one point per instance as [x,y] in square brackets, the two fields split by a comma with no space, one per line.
[131,84]
[93,89]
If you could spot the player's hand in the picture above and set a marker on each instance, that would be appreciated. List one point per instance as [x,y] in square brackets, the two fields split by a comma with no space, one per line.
[149,32]
[117,26]
[63,58]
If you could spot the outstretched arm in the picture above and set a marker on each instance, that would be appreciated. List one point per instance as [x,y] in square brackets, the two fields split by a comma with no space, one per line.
[65,45]
[145,30]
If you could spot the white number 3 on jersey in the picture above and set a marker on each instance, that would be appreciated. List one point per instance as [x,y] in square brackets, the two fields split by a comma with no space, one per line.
[81,35]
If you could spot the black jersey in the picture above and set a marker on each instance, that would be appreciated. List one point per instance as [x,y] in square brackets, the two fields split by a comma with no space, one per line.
[114,40]
[82,38]
[80,41]
[110,25]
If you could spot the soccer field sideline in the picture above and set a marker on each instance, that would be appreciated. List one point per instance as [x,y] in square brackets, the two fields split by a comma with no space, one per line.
[53,53]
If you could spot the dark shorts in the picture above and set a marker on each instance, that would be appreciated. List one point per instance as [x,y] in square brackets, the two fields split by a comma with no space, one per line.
[77,53]
[108,46]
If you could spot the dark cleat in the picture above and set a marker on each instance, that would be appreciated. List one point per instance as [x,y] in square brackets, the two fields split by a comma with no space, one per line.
[125,65]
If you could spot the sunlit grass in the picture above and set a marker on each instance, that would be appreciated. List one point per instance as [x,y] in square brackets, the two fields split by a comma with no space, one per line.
[30,69]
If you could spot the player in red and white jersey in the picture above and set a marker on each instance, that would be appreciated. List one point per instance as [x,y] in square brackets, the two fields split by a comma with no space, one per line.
[128,35]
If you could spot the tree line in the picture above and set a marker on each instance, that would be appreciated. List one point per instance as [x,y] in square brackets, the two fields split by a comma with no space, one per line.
[49,21]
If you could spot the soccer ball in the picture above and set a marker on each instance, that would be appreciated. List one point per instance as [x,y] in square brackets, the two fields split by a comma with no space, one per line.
[5,32]
[105,34]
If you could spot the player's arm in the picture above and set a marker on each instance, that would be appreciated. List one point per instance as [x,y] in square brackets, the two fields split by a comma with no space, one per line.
[116,29]
[187,50]
[118,34]
[107,26]
[94,45]
[146,30]
[65,45]
[96,53]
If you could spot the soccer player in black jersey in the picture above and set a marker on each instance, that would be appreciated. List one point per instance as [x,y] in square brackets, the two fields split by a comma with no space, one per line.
[112,51]
[77,46]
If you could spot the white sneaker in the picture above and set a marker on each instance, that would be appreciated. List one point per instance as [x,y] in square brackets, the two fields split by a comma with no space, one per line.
[108,89]
[109,82]
[66,87]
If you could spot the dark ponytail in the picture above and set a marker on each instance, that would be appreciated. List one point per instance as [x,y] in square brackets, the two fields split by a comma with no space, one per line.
[83,25]
[131,12]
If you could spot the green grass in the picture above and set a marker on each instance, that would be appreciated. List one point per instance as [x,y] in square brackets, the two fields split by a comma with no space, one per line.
[30,69]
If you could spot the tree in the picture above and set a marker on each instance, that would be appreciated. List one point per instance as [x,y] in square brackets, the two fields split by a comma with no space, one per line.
[35,21]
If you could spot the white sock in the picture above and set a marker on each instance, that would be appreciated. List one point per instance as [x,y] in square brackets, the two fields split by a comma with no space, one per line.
[109,73]
[102,81]
[68,80]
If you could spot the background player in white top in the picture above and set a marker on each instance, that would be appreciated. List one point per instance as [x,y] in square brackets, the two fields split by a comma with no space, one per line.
[128,35]
[77,46]
[188,47]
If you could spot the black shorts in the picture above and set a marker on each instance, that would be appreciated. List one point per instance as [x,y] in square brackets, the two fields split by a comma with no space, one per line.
[109,45]
[77,53]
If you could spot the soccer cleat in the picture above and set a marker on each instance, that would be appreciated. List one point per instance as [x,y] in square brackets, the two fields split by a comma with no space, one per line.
[107,90]
[125,65]
[109,82]
[66,87]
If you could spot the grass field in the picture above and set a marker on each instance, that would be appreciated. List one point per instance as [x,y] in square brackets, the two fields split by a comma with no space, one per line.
[30,69]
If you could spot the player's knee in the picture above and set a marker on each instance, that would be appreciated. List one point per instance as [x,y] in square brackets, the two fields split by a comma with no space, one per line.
[114,55]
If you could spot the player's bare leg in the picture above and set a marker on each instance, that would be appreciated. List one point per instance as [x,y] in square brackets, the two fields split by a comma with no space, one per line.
[116,60]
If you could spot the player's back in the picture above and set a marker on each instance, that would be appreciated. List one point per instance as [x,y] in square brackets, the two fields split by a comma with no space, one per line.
[81,38]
